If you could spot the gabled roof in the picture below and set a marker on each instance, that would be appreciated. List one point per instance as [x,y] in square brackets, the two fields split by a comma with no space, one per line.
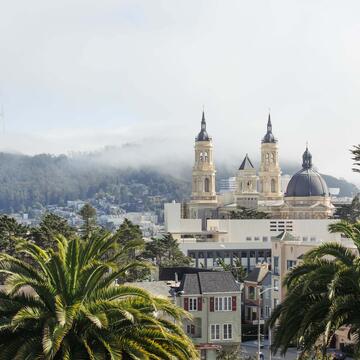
[258,274]
[246,164]
[209,282]
[285,236]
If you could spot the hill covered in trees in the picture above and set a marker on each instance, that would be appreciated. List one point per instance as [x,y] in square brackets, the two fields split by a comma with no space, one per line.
[30,181]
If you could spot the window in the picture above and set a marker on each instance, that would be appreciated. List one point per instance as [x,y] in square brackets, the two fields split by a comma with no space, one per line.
[192,304]
[267,311]
[207,185]
[252,293]
[276,265]
[276,284]
[227,334]
[256,238]
[265,239]
[276,302]
[290,264]
[273,189]
[223,303]
[248,238]
[190,329]
[215,332]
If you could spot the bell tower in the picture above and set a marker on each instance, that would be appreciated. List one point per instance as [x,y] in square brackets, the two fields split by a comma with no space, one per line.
[246,179]
[203,193]
[270,172]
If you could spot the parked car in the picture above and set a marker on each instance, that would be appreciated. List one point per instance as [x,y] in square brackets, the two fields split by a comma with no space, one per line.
[336,354]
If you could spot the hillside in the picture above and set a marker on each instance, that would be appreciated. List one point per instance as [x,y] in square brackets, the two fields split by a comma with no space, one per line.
[31,181]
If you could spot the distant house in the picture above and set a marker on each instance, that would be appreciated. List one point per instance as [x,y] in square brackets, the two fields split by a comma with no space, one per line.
[258,280]
[213,299]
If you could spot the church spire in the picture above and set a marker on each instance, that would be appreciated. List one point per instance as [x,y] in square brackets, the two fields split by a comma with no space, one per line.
[269,137]
[203,121]
[269,125]
[203,135]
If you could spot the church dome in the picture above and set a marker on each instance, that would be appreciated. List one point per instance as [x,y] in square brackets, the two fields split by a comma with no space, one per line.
[307,181]
[203,135]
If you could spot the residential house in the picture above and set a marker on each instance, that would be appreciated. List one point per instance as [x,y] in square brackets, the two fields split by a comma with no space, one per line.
[213,299]
[258,281]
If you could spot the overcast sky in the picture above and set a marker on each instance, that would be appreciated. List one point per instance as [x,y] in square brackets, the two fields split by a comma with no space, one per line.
[79,75]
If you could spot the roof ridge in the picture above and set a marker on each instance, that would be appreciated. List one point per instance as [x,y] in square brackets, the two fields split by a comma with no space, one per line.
[199,281]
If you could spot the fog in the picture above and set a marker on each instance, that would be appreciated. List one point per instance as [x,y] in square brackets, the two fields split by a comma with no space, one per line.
[82,75]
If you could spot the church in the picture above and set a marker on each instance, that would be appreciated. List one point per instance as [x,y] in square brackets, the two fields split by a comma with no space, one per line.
[306,196]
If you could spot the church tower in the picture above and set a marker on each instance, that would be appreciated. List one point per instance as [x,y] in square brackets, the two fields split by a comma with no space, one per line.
[246,185]
[203,195]
[270,172]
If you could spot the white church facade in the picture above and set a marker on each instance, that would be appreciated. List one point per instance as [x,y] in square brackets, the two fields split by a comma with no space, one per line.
[306,197]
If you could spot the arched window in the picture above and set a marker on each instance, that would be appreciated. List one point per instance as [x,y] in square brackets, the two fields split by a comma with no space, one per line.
[207,185]
[273,185]
[205,156]
[201,156]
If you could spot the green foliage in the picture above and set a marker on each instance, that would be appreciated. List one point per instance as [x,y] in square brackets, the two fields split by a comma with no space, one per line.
[46,179]
[129,238]
[88,214]
[356,157]
[236,268]
[165,252]
[350,212]
[229,353]
[10,232]
[245,213]
[323,294]
[65,306]
[50,226]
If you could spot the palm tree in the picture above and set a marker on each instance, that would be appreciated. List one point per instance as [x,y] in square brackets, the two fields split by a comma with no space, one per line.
[64,305]
[323,294]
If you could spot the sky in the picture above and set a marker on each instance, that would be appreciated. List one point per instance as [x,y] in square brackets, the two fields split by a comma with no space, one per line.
[80,75]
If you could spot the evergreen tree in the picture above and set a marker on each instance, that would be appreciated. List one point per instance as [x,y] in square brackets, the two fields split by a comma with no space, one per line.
[10,232]
[165,251]
[88,214]
[236,268]
[350,212]
[356,157]
[245,213]
[50,226]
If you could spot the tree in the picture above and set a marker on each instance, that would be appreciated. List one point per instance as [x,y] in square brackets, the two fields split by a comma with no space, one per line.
[323,294]
[245,213]
[50,226]
[130,239]
[88,214]
[350,212]
[236,268]
[229,353]
[356,157]
[66,306]
[127,232]
[10,231]
[165,251]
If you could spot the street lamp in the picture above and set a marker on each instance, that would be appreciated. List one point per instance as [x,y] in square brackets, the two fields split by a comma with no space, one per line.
[241,287]
[259,333]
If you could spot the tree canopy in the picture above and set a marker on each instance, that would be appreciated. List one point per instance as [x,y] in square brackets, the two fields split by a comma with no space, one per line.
[65,305]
